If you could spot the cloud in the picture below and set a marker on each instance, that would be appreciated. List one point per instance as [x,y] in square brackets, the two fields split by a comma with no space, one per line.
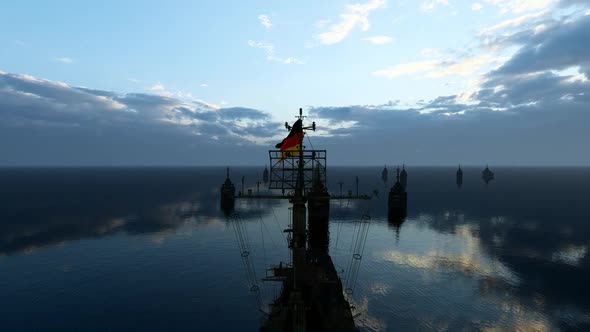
[356,14]
[379,40]
[568,3]
[159,89]
[497,44]
[429,5]
[48,122]
[438,68]
[206,104]
[536,101]
[463,67]
[476,6]
[519,6]
[511,23]
[271,54]
[557,47]
[204,85]
[517,128]
[64,60]
[265,21]
[521,29]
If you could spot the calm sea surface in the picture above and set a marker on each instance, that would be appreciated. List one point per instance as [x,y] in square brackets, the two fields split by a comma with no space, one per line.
[135,249]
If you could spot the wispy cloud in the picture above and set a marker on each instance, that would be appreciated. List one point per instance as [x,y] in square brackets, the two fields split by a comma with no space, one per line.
[271,54]
[438,68]
[463,67]
[356,14]
[159,89]
[64,60]
[519,6]
[206,104]
[204,85]
[379,40]
[429,5]
[476,6]
[511,23]
[265,21]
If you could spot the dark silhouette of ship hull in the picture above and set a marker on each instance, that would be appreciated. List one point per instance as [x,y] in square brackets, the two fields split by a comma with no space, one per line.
[397,203]
[228,193]
[487,175]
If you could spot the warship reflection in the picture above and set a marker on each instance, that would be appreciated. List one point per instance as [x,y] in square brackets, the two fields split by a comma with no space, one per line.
[396,225]
[49,207]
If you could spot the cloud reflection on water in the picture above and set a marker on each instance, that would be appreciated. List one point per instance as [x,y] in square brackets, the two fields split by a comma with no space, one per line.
[482,258]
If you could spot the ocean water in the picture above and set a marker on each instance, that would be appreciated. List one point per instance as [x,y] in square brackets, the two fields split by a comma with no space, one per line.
[139,249]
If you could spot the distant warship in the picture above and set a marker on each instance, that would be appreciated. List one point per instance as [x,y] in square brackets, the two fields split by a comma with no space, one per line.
[403,177]
[459,177]
[487,175]
[265,175]
[398,200]
[228,192]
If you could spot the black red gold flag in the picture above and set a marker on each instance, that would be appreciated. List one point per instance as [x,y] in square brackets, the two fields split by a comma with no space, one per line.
[290,145]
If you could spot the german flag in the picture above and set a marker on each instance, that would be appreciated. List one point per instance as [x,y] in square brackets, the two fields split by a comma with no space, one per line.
[290,145]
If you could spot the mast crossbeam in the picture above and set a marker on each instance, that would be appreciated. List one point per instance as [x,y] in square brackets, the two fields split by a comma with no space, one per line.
[284,170]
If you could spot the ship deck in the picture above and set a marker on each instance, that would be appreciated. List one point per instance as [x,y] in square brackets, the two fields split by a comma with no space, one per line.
[326,307]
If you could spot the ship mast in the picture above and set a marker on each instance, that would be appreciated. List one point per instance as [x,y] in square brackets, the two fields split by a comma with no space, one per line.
[299,240]
[312,296]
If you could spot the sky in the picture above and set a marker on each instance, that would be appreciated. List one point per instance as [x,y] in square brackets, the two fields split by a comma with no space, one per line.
[433,82]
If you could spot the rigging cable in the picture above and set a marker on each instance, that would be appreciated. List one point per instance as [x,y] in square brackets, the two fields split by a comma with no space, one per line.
[359,242]
[310,143]
[338,230]
[263,248]
[267,230]
[242,239]
[279,225]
